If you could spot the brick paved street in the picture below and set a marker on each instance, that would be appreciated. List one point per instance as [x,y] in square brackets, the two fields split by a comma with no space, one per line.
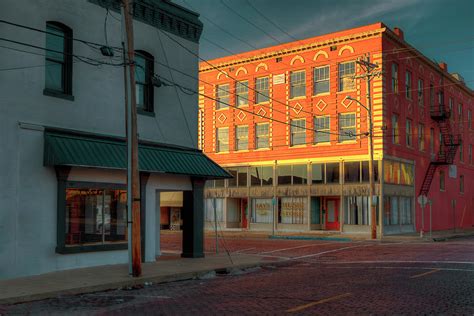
[320,277]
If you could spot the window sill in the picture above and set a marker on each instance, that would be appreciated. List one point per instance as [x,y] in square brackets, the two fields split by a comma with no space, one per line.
[58,94]
[242,106]
[347,142]
[322,94]
[346,91]
[262,149]
[298,98]
[322,144]
[223,109]
[262,103]
[64,250]
[222,152]
[241,151]
[298,146]
[145,113]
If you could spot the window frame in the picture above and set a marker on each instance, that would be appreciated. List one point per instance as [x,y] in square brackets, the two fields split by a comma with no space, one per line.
[325,131]
[61,246]
[409,133]
[408,85]
[149,89]
[395,129]
[260,93]
[218,140]
[301,83]
[395,81]
[262,136]
[239,139]
[421,95]
[296,129]
[442,181]
[316,81]
[421,136]
[461,184]
[347,138]
[242,92]
[66,63]
[342,74]
[222,94]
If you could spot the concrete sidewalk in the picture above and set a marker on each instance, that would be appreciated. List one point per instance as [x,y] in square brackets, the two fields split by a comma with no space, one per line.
[103,278]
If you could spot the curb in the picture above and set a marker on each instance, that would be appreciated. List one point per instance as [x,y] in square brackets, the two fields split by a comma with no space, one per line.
[440,239]
[141,282]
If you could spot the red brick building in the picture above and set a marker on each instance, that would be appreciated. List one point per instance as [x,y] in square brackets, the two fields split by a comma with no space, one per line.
[280,119]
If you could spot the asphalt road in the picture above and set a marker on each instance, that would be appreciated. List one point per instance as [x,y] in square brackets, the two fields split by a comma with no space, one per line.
[319,277]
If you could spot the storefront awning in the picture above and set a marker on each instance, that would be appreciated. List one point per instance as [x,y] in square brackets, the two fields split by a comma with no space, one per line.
[98,151]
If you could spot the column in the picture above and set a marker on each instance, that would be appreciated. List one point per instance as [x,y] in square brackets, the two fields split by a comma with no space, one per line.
[193,220]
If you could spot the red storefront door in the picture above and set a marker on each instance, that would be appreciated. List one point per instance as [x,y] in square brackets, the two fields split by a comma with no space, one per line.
[332,214]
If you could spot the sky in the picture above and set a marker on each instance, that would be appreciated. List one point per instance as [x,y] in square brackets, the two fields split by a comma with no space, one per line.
[443,30]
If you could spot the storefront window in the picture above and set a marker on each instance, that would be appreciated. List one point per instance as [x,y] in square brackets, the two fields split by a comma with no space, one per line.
[209,206]
[267,175]
[332,172]
[284,174]
[351,172]
[239,177]
[233,181]
[300,174]
[262,211]
[261,175]
[292,210]
[95,216]
[317,173]
[407,176]
[365,171]
[255,176]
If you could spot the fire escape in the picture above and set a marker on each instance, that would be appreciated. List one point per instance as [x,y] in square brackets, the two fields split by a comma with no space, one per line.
[449,144]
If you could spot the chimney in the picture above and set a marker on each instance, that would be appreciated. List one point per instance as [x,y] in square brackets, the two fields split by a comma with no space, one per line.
[399,32]
[443,66]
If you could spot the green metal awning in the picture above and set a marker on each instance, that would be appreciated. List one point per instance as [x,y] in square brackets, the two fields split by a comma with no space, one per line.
[98,151]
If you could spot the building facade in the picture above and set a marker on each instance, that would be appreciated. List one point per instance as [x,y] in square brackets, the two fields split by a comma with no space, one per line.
[62,128]
[283,121]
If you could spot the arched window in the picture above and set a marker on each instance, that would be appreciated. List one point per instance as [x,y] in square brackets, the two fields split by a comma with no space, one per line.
[144,63]
[58,70]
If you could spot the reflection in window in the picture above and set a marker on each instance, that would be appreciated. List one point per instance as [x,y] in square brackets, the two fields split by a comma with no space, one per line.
[261,175]
[298,132]
[321,129]
[95,216]
[300,174]
[261,90]
[241,137]
[321,80]
[332,172]
[284,174]
[351,172]
[317,173]
[222,139]
[222,96]
[262,135]
[144,87]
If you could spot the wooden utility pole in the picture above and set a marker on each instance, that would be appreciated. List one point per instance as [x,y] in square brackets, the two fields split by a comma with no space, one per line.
[133,185]
[368,75]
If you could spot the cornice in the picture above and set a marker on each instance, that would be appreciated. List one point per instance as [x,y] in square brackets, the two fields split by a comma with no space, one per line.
[297,49]
[394,37]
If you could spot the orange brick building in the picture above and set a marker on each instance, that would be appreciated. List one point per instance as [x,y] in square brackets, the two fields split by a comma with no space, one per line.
[281,121]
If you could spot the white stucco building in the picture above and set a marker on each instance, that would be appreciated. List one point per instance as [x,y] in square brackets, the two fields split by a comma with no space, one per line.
[62,128]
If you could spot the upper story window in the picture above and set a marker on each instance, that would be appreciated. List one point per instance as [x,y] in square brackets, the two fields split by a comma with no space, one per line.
[222,139]
[346,76]
[408,83]
[395,78]
[432,96]
[262,135]
[460,110]
[409,133]
[432,137]
[242,93]
[321,80]
[469,119]
[223,96]
[292,174]
[239,177]
[241,137]
[58,70]
[421,96]
[461,153]
[470,154]
[297,84]
[144,65]
[321,129]
[261,90]
[298,132]
[451,107]
[421,137]
[395,129]
[347,127]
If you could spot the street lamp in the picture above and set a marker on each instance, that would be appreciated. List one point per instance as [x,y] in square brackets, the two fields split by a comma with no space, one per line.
[371,165]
